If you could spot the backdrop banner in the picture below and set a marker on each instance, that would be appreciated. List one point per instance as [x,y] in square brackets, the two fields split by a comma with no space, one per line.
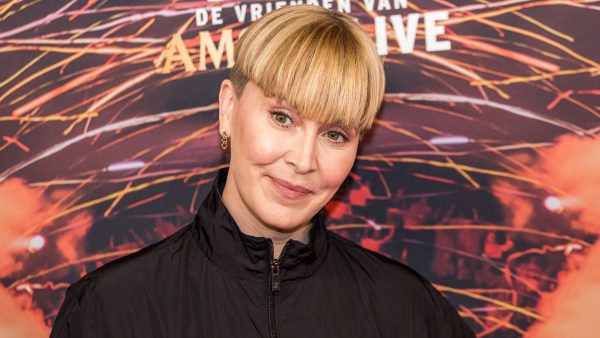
[482,171]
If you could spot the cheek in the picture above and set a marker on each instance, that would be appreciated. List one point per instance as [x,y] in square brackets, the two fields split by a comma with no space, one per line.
[258,144]
[337,165]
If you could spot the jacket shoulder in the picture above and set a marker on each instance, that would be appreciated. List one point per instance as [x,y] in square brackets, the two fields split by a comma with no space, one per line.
[120,285]
[376,263]
[136,268]
[396,283]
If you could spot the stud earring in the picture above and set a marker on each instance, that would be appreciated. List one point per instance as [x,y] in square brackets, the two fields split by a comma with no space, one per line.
[224,141]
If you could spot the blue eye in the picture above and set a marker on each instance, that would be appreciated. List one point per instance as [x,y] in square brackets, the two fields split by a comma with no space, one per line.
[282,118]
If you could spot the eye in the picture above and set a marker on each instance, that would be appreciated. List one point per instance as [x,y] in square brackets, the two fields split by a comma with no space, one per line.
[337,136]
[282,118]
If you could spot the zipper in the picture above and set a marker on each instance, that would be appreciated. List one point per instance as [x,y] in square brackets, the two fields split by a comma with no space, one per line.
[274,286]
[275,275]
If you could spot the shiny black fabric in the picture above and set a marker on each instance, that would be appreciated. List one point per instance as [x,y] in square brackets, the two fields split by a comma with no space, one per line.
[211,280]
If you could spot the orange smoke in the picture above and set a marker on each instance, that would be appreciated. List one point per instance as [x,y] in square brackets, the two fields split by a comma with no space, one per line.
[517,208]
[70,244]
[572,310]
[572,167]
[16,320]
[23,207]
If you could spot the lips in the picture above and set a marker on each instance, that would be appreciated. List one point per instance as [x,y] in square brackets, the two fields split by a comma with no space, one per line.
[289,190]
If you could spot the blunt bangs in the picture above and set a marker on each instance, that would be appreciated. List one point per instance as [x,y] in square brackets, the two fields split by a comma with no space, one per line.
[319,61]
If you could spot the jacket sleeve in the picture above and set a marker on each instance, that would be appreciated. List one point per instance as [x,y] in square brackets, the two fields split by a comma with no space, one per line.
[78,316]
[70,306]
[443,319]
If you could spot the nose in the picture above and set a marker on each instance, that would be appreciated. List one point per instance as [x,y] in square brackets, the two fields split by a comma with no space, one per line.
[303,152]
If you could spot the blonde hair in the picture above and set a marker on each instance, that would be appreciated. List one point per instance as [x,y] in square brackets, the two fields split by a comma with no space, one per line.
[319,61]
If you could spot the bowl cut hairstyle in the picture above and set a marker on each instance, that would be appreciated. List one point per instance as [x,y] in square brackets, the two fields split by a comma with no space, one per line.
[320,61]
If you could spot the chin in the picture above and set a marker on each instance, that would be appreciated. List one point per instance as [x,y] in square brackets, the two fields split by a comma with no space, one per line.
[285,222]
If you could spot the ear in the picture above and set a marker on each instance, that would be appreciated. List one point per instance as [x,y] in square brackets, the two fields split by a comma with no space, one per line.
[227,103]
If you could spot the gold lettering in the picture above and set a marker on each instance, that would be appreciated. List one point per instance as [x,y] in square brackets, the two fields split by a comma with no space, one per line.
[216,54]
[176,52]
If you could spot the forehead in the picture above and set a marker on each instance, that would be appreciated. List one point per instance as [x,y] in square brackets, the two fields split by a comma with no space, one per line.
[253,91]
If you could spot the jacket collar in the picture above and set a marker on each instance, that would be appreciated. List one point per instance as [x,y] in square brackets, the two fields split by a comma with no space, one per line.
[249,257]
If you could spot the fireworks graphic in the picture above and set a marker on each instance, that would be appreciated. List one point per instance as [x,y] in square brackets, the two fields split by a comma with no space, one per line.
[482,171]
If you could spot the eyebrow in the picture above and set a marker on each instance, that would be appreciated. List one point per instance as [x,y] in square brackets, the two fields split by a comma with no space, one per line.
[283,104]
[339,124]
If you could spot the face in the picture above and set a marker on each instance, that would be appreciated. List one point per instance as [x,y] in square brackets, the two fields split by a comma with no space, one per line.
[283,168]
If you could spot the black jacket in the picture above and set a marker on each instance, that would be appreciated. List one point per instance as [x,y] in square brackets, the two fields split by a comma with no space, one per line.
[211,280]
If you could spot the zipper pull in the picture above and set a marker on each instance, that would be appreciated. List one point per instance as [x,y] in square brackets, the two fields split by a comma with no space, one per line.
[275,275]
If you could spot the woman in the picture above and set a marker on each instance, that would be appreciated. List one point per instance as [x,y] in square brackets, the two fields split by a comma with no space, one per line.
[257,261]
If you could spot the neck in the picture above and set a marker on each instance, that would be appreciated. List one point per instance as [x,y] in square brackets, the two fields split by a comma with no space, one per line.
[252,226]
[280,238]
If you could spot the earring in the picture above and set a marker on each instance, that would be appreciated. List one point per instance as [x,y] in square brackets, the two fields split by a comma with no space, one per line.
[223,141]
